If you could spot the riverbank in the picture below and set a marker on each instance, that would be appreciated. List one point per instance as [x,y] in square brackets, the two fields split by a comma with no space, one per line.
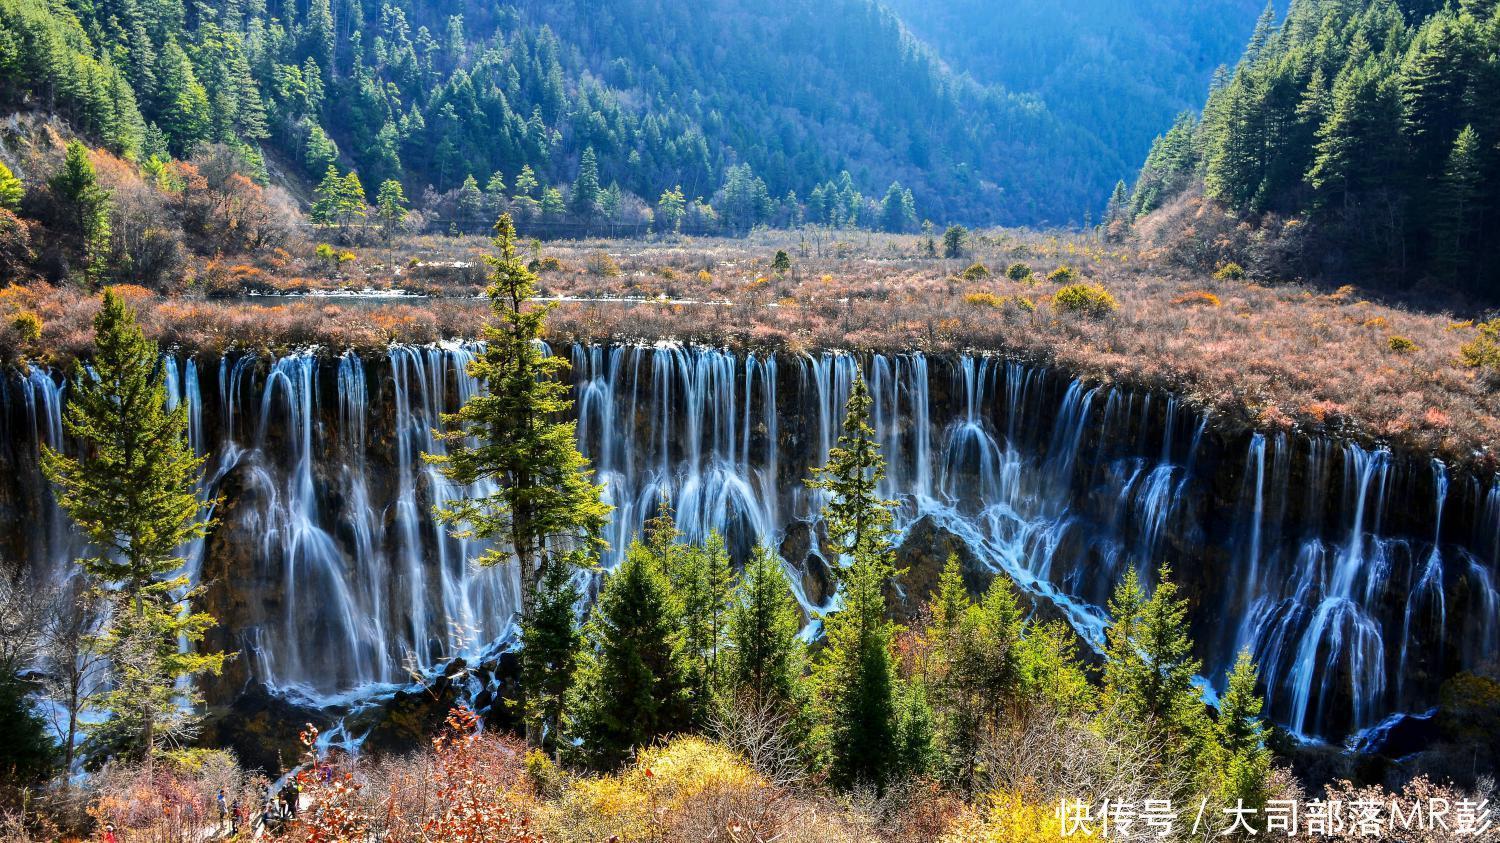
[1274,358]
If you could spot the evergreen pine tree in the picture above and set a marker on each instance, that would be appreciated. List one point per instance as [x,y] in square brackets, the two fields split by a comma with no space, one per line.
[546,497]
[133,492]
[764,655]
[390,207]
[856,702]
[77,189]
[351,199]
[1457,194]
[1246,760]
[550,640]
[632,684]
[1149,670]
[470,202]
[325,206]
[584,203]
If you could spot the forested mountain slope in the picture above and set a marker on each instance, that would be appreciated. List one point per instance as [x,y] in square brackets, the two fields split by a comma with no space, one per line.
[1359,140]
[666,93]
[1120,70]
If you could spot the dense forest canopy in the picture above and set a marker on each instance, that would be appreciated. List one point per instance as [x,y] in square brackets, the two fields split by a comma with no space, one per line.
[765,107]
[1375,121]
[1119,70]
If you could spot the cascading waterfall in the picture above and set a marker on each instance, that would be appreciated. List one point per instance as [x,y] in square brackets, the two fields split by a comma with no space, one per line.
[329,570]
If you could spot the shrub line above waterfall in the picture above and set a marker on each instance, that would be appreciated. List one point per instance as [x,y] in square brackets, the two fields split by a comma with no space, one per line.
[1283,357]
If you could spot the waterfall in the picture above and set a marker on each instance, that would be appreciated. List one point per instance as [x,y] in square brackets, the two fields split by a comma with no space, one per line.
[334,576]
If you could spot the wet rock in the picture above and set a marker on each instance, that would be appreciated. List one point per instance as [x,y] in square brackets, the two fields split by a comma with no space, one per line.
[922,555]
[262,728]
[817,576]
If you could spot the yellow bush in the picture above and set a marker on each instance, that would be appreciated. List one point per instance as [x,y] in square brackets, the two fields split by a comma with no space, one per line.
[705,277]
[1483,352]
[1063,275]
[1088,299]
[664,784]
[976,271]
[985,299]
[27,325]
[1007,819]
[1400,344]
[1230,272]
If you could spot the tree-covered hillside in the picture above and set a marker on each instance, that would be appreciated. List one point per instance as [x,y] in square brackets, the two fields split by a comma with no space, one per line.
[1375,122]
[1117,69]
[665,94]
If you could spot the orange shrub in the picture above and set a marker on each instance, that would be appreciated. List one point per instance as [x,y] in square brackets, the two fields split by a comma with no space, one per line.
[1197,298]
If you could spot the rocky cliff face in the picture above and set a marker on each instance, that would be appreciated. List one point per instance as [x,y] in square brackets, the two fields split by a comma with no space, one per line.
[1360,579]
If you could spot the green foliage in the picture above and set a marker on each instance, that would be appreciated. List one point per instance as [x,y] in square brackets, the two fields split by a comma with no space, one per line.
[46,56]
[11,189]
[1365,119]
[1246,761]
[338,200]
[390,207]
[955,240]
[702,585]
[1149,670]
[1018,271]
[320,152]
[133,492]
[670,209]
[1400,345]
[898,210]
[856,700]
[633,680]
[87,206]
[511,434]
[550,642]
[1064,274]
[1088,299]
[782,262]
[765,656]
[27,753]
[470,201]
[584,201]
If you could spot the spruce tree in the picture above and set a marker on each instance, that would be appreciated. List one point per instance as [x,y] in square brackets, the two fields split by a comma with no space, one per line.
[856,683]
[470,201]
[1245,761]
[133,492]
[87,205]
[351,199]
[550,640]
[584,203]
[1149,670]
[510,434]
[325,206]
[390,207]
[765,655]
[702,584]
[633,678]
[1457,193]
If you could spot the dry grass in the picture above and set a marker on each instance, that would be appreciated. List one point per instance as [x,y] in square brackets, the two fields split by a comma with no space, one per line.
[1269,356]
